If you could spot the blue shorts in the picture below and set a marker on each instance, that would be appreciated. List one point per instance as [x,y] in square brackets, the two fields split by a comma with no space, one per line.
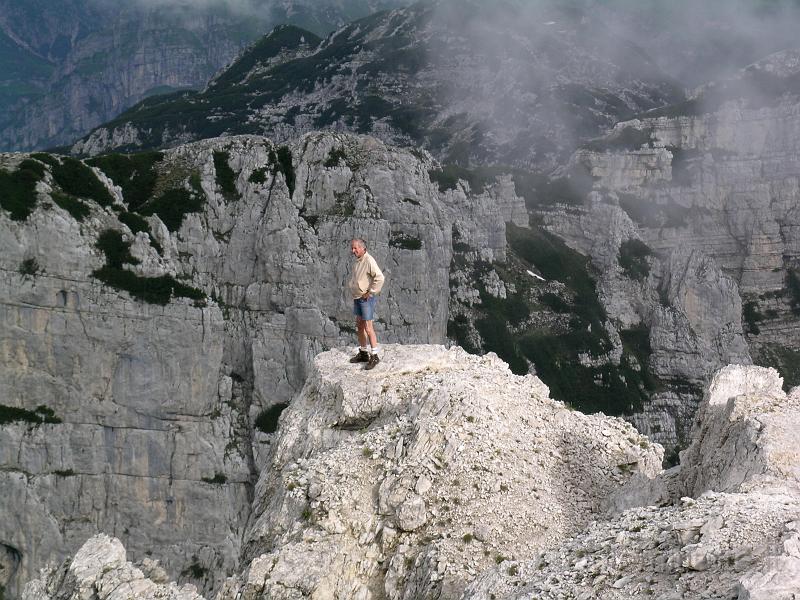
[365,308]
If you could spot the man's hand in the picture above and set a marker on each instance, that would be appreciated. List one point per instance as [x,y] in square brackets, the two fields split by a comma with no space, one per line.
[366,296]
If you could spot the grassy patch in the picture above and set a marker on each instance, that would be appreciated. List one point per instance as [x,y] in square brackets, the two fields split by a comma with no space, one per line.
[267,420]
[632,258]
[258,176]
[398,239]
[785,360]
[652,215]
[628,138]
[336,157]
[217,479]
[40,415]
[18,189]
[284,166]
[173,205]
[79,210]
[29,267]
[76,179]
[752,316]
[224,176]
[134,173]
[155,290]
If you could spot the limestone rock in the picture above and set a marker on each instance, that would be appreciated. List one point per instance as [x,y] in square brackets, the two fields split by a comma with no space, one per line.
[490,468]
[153,434]
[100,571]
[736,538]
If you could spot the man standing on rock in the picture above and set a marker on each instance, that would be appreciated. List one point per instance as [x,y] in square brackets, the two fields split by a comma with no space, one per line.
[366,280]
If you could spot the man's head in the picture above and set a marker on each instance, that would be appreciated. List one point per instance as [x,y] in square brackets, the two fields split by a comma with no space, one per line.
[358,247]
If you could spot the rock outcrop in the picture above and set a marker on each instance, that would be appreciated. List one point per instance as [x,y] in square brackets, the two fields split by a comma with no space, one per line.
[146,420]
[409,480]
[441,474]
[723,524]
[692,223]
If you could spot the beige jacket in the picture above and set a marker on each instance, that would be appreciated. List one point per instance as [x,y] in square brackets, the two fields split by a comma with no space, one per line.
[366,276]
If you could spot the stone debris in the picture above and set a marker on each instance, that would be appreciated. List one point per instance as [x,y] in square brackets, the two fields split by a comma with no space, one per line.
[100,571]
[411,480]
[496,493]
[724,524]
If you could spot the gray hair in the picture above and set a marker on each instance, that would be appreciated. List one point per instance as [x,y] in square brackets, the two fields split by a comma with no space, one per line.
[361,243]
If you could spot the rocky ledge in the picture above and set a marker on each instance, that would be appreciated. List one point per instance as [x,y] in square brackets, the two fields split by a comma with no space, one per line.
[443,475]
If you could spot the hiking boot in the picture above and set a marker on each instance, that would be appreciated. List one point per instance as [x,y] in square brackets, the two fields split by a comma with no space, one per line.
[362,356]
[373,361]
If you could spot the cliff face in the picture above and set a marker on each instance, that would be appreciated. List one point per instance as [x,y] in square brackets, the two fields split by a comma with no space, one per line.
[691,222]
[81,63]
[150,326]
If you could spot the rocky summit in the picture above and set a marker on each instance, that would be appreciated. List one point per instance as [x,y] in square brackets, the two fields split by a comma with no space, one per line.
[443,475]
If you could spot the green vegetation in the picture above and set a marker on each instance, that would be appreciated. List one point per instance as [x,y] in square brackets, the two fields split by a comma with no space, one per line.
[398,239]
[335,157]
[632,257]
[134,173]
[785,360]
[29,267]
[628,138]
[478,178]
[793,285]
[79,210]
[752,316]
[134,222]
[173,205]
[539,190]
[40,415]
[258,176]
[155,290]
[195,570]
[554,351]
[284,166]
[76,179]
[267,420]
[556,261]
[116,250]
[655,215]
[458,329]
[18,189]
[224,176]
[217,479]
[271,45]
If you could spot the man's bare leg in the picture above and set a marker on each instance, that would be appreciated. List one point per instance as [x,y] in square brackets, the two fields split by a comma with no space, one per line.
[361,331]
[370,334]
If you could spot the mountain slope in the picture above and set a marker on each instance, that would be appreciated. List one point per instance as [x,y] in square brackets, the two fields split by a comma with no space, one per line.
[471,84]
[87,60]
